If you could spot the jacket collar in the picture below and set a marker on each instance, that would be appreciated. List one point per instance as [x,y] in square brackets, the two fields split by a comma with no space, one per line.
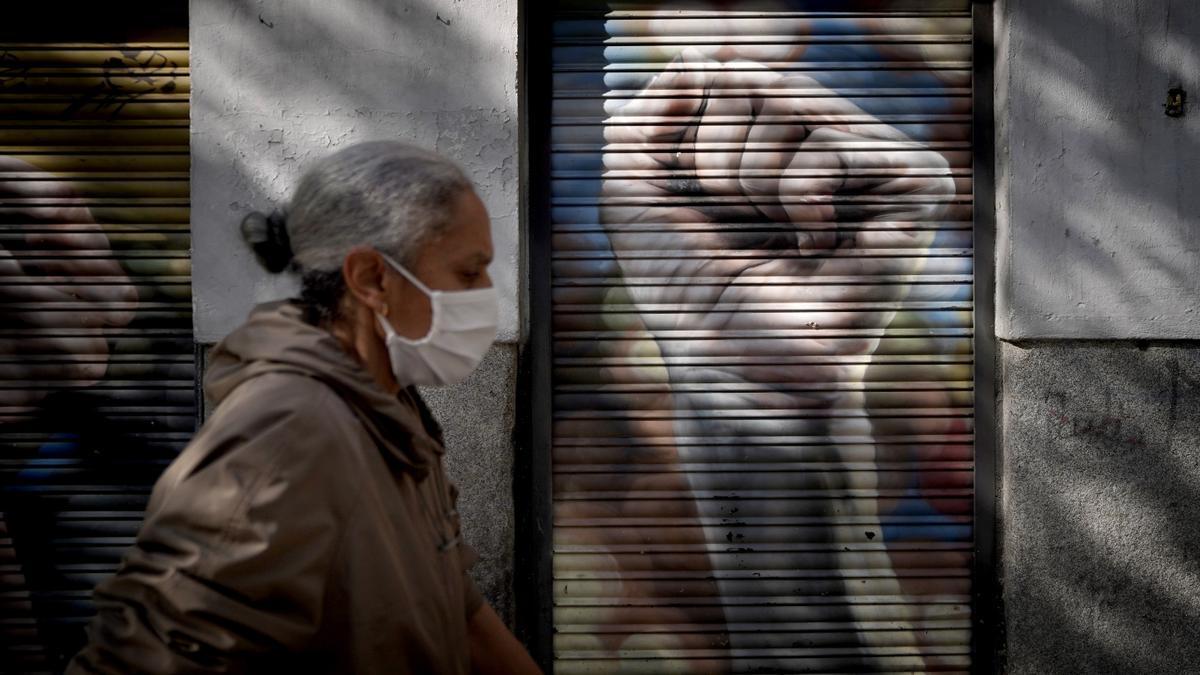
[276,338]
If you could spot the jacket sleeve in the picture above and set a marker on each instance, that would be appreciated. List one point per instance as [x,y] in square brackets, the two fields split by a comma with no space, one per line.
[229,569]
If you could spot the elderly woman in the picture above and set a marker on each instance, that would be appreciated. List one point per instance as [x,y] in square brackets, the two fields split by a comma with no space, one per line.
[310,527]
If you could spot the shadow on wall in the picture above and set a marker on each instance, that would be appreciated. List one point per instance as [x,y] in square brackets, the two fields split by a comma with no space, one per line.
[279,84]
[261,138]
[1102,200]
[1102,484]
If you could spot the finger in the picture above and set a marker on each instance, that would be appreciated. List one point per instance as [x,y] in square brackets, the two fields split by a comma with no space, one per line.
[38,185]
[69,368]
[801,98]
[726,127]
[68,237]
[771,148]
[44,263]
[45,307]
[917,181]
[96,279]
[12,165]
[42,301]
[653,114]
[23,210]
[855,147]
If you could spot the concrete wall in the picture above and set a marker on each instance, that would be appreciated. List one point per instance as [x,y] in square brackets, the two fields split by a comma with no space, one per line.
[478,417]
[276,83]
[279,82]
[1101,502]
[1098,199]
[1096,245]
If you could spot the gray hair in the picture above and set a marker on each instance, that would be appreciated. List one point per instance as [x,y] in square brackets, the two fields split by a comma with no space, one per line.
[386,194]
[389,195]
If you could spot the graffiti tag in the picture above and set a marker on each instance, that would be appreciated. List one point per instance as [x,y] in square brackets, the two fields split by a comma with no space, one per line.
[145,72]
[1111,430]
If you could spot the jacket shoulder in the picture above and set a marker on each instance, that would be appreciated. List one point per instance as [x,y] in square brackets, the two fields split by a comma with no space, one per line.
[277,429]
[308,407]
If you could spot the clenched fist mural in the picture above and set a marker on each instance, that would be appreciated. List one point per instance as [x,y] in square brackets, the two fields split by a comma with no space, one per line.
[762,339]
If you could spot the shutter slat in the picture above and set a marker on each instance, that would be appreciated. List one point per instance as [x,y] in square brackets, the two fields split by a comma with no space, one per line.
[97,361]
[761,262]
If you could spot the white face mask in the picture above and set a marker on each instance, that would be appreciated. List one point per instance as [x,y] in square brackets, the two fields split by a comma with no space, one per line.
[462,329]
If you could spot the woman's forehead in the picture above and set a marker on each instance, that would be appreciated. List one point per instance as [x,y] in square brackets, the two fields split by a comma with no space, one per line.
[468,238]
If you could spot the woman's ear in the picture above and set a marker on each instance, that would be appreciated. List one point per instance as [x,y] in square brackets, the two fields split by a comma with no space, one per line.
[363,270]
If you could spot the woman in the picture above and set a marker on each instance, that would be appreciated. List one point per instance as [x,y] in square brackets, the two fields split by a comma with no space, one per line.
[309,526]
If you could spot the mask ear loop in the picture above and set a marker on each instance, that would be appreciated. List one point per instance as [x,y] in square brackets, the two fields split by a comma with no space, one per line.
[407,275]
[432,295]
[386,325]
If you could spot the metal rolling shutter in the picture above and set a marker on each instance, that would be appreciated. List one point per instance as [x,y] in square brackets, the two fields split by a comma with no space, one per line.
[761,282]
[97,373]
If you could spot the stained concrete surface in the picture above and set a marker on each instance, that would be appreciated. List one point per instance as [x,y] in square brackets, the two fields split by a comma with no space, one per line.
[477,417]
[1100,505]
[1096,201]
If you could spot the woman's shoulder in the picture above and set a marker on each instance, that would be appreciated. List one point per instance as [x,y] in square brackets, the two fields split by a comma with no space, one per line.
[274,391]
[278,426]
[303,404]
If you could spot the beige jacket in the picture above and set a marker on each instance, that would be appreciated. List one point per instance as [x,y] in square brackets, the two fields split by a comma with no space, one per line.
[308,528]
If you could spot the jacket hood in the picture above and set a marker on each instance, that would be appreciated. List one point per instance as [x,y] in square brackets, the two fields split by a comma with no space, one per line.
[277,339]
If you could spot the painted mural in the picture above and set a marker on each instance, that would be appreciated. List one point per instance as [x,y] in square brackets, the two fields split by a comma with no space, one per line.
[762,338]
[97,375]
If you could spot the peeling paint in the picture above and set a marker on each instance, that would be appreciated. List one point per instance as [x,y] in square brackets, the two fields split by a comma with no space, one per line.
[333,74]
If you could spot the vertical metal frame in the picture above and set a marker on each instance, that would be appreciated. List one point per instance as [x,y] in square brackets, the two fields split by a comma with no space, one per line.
[533,564]
[988,618]
[200,353]
[532,465]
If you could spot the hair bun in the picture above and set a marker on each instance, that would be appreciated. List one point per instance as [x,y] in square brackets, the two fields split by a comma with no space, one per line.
[267,235]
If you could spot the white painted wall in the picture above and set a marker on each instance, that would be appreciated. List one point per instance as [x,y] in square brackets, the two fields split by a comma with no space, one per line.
[277,83]
[1098,191]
